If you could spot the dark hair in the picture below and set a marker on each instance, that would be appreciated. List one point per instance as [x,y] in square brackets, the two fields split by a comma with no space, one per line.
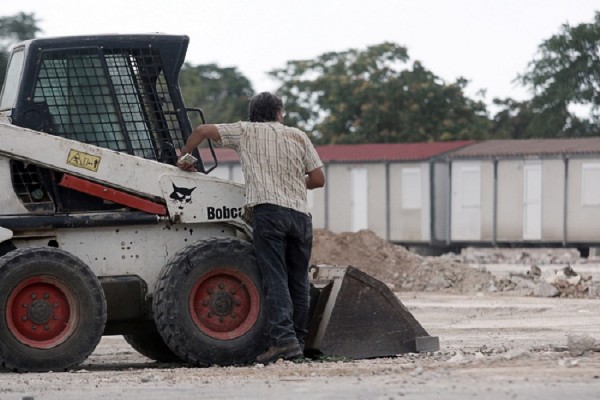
[264,107]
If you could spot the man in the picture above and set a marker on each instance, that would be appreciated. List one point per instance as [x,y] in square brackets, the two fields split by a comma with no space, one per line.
[279,163]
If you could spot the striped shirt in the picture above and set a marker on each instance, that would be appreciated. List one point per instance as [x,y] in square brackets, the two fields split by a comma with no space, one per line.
[275,160]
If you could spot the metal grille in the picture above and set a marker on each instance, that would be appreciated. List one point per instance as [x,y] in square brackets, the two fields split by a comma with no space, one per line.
[29,188]
[113,98]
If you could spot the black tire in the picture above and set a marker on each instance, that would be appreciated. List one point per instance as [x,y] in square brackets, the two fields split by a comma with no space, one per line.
[151,345]
[6,247]
[209,304]
[52,310]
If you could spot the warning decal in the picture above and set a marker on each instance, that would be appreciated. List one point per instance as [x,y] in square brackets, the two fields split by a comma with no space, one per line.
[83,160]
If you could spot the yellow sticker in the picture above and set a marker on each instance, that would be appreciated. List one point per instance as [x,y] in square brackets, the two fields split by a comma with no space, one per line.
[83,160]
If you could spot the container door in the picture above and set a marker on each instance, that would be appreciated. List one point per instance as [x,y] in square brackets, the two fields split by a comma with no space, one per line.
[359,199]
[466,201]
[532,200]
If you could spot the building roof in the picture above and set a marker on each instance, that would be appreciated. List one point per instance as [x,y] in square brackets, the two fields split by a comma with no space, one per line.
[387,151]
[529,147]
[362,152]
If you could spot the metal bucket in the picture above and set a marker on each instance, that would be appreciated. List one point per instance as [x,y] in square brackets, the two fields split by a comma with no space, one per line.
[358,316]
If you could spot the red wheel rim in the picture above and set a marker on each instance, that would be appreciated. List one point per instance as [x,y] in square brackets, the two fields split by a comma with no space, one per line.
[40,312]
[224,304]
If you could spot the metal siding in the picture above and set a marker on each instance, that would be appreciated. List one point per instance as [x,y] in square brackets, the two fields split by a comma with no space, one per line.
[553,187]
[532,200]
[236,174]
[360,198]
[582,221]
[376,199]
[340,200]
[426,203]
[466,201]
[396,219]
[406,224]
[318,209]
[487,201]
[222,171]
[441,188]
[510,201]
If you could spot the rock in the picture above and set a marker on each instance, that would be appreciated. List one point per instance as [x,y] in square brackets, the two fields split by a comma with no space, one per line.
[568,271]
[574,280]
[458,359]
[514,353]
[594,289]
[535,271]
[580,344]
[545,289]
[524,283]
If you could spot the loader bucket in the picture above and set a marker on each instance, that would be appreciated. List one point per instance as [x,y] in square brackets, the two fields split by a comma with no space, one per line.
[358,316]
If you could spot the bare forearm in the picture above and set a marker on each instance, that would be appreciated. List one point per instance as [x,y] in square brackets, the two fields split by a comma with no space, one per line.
[315,179]
[199,134]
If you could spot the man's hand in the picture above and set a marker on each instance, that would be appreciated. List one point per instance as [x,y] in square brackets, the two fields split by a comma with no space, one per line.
[186,162]
[199,134]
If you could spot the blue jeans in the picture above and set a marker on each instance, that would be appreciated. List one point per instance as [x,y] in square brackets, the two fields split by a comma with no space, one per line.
[283,243]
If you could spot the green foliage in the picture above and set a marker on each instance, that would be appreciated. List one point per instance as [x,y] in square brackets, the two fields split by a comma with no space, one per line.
[14,29]
[378,95]
[566,72]
[512,120]
[371,96]
[223,94]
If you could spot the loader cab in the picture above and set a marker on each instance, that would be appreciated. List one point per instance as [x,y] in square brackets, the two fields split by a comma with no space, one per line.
[119,92]
[13,79]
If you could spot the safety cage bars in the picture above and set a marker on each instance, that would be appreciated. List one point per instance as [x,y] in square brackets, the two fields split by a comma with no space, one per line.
[114,98]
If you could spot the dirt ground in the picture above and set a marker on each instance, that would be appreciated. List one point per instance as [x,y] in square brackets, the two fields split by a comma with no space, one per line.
[496,342]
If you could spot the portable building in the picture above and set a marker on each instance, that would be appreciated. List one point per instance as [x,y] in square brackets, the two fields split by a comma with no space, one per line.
[526,192]
[399,191]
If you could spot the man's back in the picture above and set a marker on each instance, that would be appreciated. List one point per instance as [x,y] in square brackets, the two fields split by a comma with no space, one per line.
[275,160]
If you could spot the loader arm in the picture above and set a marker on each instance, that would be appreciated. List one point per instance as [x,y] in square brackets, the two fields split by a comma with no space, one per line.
[188,197]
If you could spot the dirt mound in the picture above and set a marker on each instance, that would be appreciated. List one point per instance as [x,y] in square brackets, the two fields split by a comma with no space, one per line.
[406,271]
[395,265]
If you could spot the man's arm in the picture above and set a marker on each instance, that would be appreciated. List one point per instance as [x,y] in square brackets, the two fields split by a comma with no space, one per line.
[199,134]
[315,179]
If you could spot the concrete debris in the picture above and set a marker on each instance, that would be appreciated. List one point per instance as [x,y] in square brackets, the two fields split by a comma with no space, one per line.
[580,344]
[568,363]
[458,358]
[594,289]
[403,270]
[544,256]
[545,289]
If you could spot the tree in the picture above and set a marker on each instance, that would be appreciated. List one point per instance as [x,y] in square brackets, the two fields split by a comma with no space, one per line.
[512,120]
[566,73]
[14,29]
[223,94]
[360,96]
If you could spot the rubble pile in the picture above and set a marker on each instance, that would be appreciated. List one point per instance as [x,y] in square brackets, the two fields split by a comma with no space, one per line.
[395,265]
[564,282]
[403,270]
[545,256]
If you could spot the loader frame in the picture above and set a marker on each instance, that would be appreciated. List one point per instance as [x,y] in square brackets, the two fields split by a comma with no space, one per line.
[100,232]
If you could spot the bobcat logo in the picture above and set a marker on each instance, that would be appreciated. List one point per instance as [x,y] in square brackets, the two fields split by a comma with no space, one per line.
[181,195]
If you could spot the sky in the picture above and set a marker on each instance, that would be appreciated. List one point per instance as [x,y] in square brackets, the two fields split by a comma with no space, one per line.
[488,42]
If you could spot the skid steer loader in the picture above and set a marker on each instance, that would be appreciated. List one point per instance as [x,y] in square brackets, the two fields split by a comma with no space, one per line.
[101,234]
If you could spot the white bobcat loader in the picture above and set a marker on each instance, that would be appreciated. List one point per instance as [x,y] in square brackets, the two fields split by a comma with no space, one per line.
[101,234]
